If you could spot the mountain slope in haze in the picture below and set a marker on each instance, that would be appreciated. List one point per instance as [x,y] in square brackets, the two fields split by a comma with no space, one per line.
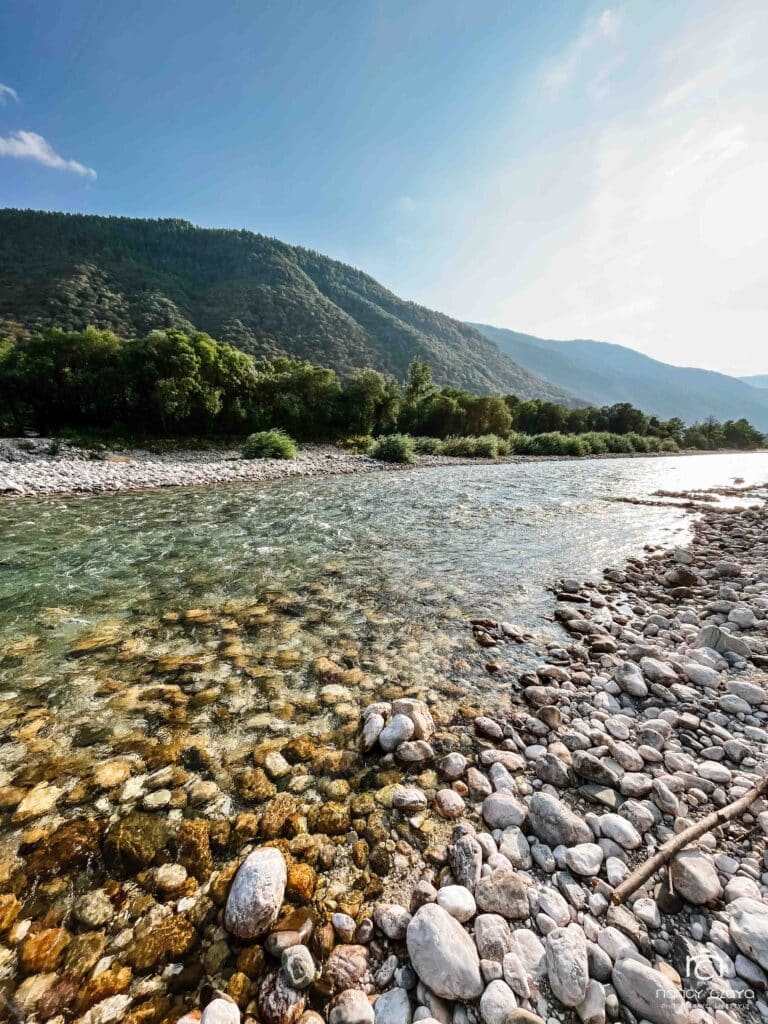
[758,380]
[604,373]
[267,298]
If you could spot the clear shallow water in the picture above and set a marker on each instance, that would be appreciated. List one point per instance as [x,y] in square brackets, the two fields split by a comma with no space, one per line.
[377,573]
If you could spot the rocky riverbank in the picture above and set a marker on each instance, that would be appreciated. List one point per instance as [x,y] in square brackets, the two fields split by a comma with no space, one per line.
[419,859]
[32,467]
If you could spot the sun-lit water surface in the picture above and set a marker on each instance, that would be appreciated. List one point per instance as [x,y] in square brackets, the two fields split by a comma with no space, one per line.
[380,571]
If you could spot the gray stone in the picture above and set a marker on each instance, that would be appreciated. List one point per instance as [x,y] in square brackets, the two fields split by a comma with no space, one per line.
[648,993]
[500,810]
[409,799]
[298,966]
[465,857]
[584,859]
[372,726]
[497,1002]
[443,955]
[392,919]
[393,1007]
[567,966]
[630,679]
[493,937]
[256,894]
[419,714]
[396,731]
[449,804]
[453,766]
[458,901]
[414,752]
[554,824]
[694,877]
[658,671]
[749,928]
[218,1011]
[502,892]
[621,831]
[351,1007]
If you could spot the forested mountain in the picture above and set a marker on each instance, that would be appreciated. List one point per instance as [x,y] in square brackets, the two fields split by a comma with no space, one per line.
[603,373]
[261,295]
[759,380]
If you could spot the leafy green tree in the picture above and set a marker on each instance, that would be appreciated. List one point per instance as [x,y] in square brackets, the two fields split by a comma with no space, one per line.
[371,403]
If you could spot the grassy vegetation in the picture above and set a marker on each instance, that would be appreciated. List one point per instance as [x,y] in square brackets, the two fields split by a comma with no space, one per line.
[393,448]
[269,444]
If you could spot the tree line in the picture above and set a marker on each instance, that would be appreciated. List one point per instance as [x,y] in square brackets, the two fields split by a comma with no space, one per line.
[171,383]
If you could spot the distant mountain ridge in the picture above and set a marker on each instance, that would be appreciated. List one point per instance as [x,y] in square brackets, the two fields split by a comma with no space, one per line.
[603,373]
[261,295]
[758,380]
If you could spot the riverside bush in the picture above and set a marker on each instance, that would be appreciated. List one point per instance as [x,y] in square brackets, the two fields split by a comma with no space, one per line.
[361,443]
[269,444]
[428,446]
[487,447]
[460,447]
[393,448]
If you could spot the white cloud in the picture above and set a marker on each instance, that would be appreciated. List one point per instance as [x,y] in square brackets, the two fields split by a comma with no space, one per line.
[565,69]
[30,146]
[7,93]
[640,220]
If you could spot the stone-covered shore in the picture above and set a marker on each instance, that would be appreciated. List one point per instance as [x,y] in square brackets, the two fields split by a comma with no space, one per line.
[459,867]
[31,467]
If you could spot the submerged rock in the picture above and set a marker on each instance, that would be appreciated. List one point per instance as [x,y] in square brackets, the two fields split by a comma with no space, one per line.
[256,894]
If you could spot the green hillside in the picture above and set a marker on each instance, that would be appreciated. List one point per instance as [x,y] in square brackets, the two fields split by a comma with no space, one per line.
[261,295]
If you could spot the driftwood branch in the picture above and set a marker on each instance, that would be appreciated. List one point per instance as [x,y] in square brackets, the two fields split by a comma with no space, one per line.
[642,873]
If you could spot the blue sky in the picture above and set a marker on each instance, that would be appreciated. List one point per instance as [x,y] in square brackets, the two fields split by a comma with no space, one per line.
[563,168]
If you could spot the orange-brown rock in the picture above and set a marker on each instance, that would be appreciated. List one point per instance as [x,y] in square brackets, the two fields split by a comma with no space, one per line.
[193,841]
[108,983]
[239,987]
[9,911]
[42,952]
[170,939]
[276,815]
[250,961]
[83,953]
[72,846]
[302,882]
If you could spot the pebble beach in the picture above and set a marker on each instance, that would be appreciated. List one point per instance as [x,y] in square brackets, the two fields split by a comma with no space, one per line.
[426,859]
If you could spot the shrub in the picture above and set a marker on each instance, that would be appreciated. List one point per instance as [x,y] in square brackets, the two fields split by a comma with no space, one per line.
[487,447]
[619,444]
[668,444]
[269,444]
[428,445]
[596,442]
[521,444]
[504,446]
[460,447]
[393,448]
[361,443]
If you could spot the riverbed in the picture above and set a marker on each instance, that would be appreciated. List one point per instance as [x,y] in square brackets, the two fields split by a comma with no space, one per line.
[158,647]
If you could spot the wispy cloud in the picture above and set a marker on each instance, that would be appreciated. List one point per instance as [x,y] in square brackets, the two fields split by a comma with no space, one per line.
[647,223]
[30,146]
[567,66]
[7,93]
